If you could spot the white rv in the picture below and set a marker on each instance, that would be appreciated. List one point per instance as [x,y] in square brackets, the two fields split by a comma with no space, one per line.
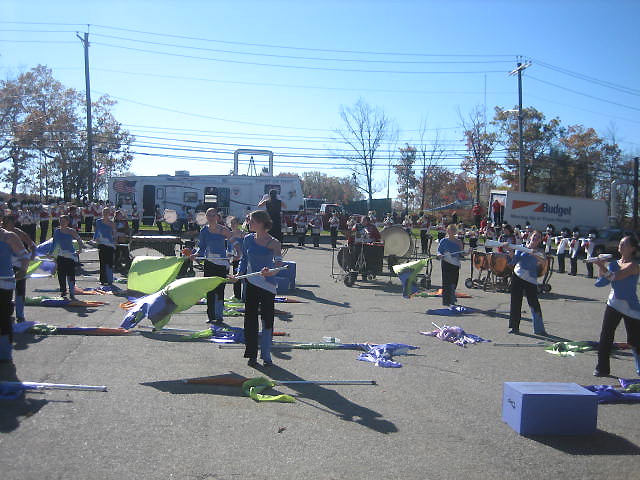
[231,194]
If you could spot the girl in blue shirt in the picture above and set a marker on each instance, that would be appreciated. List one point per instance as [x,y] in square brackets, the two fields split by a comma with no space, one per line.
[524,281]
[260,252]
[104,237]
[450,250]
[212,245]
[63,238]
[621,304]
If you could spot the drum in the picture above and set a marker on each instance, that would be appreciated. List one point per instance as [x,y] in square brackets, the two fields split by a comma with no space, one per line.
[543,265]
[170,216]
[344,258]
[499,264]
[480,261]
[396,241]
[153,246]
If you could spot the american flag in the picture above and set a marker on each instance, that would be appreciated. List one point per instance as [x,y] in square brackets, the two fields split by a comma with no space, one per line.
[101,171]
[124,186]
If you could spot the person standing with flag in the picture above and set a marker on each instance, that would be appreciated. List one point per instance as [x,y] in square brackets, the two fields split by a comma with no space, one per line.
[260,253]
[524,281]
[450,250]
[212,246]
[10,247]
[104,236]
[67,257]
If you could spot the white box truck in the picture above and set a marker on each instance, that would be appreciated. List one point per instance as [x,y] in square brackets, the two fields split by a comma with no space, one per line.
[541,209]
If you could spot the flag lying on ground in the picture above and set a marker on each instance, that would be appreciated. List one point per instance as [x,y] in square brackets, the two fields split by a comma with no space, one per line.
[44,301]
[148,275]
[609,394]
[451,311]
[382,355]
[454,335]
[176,297]
[569,349]
[407,273]
[438,293]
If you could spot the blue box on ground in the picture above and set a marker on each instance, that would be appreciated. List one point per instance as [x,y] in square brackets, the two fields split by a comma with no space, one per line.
[540,408]
[286,278]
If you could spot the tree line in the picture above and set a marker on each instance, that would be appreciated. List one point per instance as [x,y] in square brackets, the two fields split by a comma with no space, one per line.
[43,138]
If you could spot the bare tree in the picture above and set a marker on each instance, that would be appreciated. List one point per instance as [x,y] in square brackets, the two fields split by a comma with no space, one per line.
[429,155]
[480,146]
[364,129]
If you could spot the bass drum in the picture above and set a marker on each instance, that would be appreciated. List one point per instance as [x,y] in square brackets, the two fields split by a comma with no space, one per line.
[499,264]
[344,258]
[396,241]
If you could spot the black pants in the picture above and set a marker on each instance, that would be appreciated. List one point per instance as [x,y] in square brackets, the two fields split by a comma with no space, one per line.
[6,311]
[590,270]
[425,241]
[561,257]
[610,322]
[573,262]
[136,225]
[159,225]
[66,271]
[88,224]
[334,236]
[450,275]
[237,286]
[44,229]
[30,230]
[301,232]
[520,288]
[276,231]
[106,255]
[257,299]
[55,223]
[213,270]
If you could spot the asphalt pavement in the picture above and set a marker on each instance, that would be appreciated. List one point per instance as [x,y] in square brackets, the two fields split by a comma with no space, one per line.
[437,417]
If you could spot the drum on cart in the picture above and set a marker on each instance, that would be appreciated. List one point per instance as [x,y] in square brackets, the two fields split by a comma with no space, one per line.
[397,241]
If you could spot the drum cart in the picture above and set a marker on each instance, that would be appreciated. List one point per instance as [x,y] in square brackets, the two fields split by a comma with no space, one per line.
[368,260]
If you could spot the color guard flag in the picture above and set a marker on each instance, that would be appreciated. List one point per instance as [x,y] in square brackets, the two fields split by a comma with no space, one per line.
[407,273]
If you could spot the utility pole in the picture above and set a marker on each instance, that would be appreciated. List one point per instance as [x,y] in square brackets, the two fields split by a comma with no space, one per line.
[521,168]
[85,44]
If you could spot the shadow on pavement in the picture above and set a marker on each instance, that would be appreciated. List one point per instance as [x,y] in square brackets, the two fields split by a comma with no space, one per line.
[12,411]
[309,295]
[600,443]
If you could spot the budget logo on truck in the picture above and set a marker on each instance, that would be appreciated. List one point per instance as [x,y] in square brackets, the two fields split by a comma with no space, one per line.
[543,207]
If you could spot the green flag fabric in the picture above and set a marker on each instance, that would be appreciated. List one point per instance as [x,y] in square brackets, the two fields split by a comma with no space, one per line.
[150,274]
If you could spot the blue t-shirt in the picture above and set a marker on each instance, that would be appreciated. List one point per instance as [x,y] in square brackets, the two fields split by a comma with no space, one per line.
[254,258]
[526,266]
[450,251]
[623,296]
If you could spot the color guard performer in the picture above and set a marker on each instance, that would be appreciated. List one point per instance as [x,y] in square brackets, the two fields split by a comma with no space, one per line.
[524,281]
[622,303]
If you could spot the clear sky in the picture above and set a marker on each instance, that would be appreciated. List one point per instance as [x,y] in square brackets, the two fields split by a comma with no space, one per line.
[195,80]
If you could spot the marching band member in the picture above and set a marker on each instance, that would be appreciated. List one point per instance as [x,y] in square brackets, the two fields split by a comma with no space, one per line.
[10,246]
[622,303]
[524,281]
[373,234]
[574,251]
[561,250]
[43,214]
[104,236]
[301,227]
[89,213]
[334,225]
[135,218]
[260,252]
[424,223]
[507,236]
[315,223]
[547,239]
[588,245]
[406,224]
[67,257]
[212,246]
[450,250]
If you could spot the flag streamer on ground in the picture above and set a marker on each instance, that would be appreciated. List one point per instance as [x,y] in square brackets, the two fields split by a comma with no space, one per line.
[455,335]
[407,273]
[178,296]
[569,349]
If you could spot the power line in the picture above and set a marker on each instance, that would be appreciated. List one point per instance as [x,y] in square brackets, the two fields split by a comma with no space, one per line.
[296,67]
[583,94]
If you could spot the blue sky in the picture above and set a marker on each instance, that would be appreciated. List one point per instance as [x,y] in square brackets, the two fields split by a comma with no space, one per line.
[220,75]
